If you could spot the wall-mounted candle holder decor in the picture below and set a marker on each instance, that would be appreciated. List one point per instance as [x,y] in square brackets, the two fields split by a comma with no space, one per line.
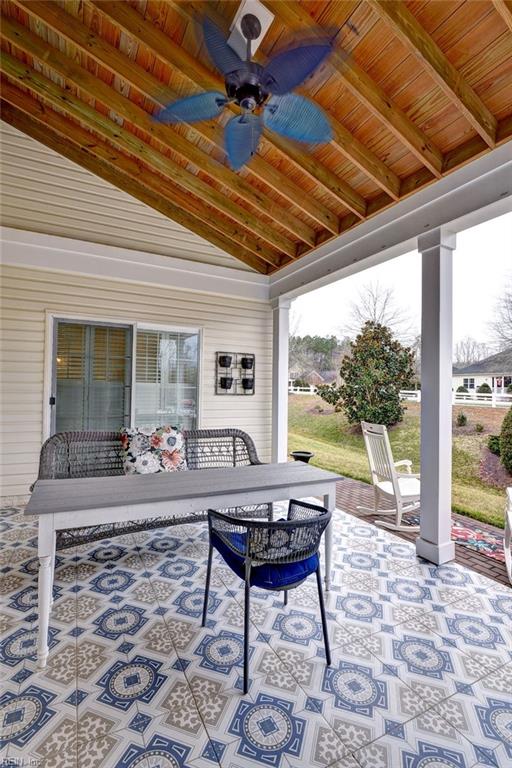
[234,373]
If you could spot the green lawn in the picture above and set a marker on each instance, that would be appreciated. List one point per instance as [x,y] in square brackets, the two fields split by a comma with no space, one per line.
[340,448]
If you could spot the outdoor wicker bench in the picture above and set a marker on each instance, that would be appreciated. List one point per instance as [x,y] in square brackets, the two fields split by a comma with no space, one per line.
[68,455]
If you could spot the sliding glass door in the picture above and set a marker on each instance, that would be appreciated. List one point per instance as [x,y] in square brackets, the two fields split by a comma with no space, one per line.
[92,376]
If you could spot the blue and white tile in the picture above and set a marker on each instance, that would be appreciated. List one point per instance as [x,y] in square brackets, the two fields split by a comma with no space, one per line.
[305,597]
[427,740]
[486,639]
[447,577]
[291,628]
[483,711]
[24,712]
[21,644]
[101,631]
[496,603]
[270,728]
[431,665]
[164,748]
[359,695]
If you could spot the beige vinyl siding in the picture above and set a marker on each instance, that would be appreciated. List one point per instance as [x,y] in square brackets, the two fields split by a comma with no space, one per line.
[41,191]
[28,294]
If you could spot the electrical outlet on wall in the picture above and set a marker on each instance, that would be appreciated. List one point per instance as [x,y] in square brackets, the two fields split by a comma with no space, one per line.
[236,39]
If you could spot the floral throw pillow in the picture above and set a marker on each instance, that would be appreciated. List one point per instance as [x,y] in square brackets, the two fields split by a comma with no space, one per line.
[153,450]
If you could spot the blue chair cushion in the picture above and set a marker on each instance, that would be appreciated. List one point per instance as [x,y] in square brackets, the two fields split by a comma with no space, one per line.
[269,576]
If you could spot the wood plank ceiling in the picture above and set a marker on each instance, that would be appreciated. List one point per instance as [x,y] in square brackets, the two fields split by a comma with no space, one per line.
[425,88]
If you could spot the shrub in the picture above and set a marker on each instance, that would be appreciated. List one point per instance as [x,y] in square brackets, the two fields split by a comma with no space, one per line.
[329,392]
[509,389]
[506,442]
[493,444]
[463,389]
[461,419]
[484,389]
[479,427]
[300,383]
[372,377]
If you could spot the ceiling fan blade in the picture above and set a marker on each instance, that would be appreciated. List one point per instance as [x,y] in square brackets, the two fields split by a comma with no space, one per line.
[200,106]
[221,54]
[241,139]
[289,69]
[297,118]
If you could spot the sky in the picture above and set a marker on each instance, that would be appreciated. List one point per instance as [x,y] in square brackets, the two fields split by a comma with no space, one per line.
[482,265]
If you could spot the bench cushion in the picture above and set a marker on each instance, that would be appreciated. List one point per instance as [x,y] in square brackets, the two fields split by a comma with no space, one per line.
[148,450]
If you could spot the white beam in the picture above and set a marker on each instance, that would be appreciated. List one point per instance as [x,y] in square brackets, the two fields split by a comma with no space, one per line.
[479,191]
[281,329]
[35,250]
[434,542]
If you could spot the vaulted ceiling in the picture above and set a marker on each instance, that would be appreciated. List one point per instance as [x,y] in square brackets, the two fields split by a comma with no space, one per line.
[414,89]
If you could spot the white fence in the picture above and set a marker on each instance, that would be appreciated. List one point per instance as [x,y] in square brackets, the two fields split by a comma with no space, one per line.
[311,390]
[459,398]
[493,400]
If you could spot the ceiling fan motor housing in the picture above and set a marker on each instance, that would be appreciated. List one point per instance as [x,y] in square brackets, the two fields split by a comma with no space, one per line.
[245,86]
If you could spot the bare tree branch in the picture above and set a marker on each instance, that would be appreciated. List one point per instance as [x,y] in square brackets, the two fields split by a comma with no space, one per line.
[377,304]
[295,320]
[501,325]
[468,351]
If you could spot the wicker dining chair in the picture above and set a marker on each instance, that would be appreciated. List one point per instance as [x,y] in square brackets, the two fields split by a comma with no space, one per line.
[276,555]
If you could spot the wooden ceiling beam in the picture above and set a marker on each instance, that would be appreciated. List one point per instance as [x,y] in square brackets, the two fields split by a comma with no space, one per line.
[169,52]
[133,169]
[296,16]
[127,142]
[109,56]
[410,32]
[504,8]
[113,100]
[88,160]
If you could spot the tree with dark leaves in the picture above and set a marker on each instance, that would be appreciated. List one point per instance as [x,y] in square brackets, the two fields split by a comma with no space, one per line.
[372,377]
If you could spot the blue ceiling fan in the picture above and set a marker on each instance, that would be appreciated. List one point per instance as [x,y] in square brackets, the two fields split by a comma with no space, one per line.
[262,93]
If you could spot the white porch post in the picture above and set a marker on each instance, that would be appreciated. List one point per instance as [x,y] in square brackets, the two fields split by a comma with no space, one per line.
[434,542]
[281,326]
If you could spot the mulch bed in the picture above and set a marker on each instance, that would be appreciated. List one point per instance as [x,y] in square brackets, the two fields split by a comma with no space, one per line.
[492,471]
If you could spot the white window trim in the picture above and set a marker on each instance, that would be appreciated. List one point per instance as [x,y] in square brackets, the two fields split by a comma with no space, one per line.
[52,316]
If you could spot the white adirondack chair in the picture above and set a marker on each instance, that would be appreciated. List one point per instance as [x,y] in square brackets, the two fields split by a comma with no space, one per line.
[507,542]
[400,488]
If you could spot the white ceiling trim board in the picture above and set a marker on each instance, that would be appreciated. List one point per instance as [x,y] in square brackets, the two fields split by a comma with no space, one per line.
[53,253]
[478,192]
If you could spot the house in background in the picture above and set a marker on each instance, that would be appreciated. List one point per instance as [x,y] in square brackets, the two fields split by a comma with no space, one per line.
[314,378]
[496,371]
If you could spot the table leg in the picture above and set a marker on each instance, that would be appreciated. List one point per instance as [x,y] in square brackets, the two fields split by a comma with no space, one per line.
[46,554]
[330,504]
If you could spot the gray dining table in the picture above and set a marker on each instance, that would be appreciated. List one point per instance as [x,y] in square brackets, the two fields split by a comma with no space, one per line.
[76,503]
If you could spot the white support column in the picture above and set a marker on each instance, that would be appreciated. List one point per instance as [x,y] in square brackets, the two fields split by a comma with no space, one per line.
[434,542]
[281,327]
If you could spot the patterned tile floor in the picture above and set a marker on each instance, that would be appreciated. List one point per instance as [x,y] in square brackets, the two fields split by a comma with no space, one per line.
[421,672]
